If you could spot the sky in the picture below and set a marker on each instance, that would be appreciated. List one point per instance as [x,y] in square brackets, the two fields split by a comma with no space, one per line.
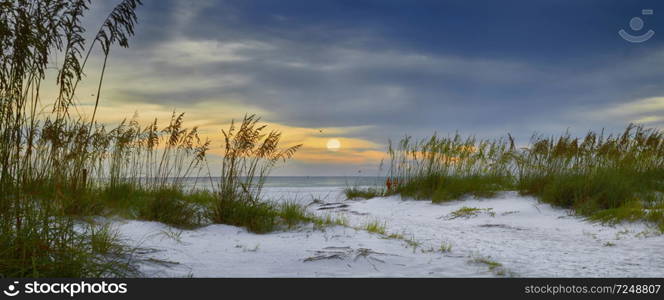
[363,72]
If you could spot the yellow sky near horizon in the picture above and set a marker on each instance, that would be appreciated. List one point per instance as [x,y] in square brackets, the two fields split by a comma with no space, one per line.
[212,118]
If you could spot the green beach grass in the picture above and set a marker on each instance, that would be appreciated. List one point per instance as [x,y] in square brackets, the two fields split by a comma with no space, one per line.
[605,177]
[57,169]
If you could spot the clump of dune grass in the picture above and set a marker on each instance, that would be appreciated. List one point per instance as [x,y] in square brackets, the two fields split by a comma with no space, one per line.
[448,168]
[447,188]
[250,153]
[102,238]
[606,177]
[173,208]
[490,263]
[45,147]
[256,217]
[445,247]
[363,193]
[375,226]
[265,217]
[292,214]
[494,266]
[469,212]
[412,242]
[151,157]
[148,165]
[329,220]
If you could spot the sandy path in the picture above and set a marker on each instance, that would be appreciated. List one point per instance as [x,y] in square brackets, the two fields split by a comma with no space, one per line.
[526,237]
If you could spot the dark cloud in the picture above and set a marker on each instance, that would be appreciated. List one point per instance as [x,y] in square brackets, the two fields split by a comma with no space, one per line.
[482,67]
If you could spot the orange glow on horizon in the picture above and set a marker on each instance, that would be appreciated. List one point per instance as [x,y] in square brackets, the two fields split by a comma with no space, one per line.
[315,141]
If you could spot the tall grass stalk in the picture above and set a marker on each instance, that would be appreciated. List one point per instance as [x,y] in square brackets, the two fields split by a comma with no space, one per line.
[604,176]
[250,153]
[597,172]
[44,155]
[446,168]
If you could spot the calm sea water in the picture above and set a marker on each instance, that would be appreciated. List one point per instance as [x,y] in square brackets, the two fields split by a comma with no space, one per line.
[305,181]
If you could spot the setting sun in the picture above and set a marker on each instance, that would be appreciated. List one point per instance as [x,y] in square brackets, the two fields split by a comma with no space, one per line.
[333,145]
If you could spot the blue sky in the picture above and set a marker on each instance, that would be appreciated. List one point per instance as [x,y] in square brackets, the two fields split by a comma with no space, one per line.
[366,71]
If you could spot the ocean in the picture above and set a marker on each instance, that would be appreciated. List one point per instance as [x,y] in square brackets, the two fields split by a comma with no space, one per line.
[301,189]
[302,181]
